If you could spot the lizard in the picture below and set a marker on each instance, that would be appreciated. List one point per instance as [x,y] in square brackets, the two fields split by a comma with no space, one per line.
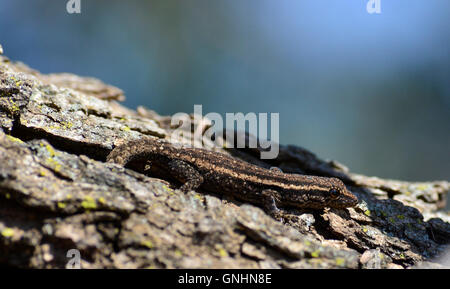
[197,168]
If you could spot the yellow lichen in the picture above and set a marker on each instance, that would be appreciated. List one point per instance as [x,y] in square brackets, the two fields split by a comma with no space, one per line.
[11,104]
[11,138]
[340,261]
[42,173]
[89,203]
[125,128]
[50,150]
[67,125]
[167,188]
[367,213]
[422,187]
[14,107]
[7,232]
[315,254]
[54,164]
[147,243]
[61,205]
[222,252]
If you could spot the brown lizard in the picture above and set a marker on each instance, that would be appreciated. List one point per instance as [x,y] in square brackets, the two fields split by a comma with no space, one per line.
[216,172]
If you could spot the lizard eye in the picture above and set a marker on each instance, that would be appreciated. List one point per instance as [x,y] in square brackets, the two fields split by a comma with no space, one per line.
[334,193]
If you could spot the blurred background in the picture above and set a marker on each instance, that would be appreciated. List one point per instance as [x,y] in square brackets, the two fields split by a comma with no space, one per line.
[369,90]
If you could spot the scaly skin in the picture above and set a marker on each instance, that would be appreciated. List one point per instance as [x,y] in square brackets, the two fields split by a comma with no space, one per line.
[222,174]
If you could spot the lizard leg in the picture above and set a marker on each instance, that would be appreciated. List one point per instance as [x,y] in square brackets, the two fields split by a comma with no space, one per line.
[269,197]
[186,174]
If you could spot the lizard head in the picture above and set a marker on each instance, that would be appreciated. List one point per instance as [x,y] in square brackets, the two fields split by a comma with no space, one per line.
[320,192]
[338,196]
[316,192]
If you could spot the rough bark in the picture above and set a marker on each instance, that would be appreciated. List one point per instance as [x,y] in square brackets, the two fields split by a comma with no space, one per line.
[57,193]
